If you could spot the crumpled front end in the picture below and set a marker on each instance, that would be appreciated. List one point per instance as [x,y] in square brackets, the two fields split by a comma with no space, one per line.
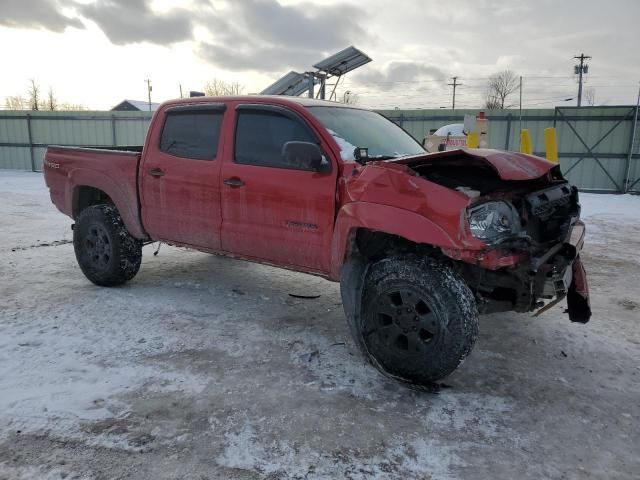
[539,264]
[510,223]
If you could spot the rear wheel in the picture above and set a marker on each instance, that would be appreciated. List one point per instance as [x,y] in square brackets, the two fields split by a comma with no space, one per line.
[418,319]
[107,253]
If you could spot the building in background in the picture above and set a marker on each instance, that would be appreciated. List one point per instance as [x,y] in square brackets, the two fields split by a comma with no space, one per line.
[135,106]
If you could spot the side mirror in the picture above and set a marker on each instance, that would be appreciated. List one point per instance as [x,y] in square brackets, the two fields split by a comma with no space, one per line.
[303,156]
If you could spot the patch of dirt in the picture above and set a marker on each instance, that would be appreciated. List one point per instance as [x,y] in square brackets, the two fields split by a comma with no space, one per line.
[54,243]
[628,304]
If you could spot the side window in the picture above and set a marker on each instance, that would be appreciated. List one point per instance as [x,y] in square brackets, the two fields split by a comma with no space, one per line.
[261,135]
[192,134]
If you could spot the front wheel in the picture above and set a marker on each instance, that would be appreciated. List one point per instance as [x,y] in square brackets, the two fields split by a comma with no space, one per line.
[107,253]
[418,320]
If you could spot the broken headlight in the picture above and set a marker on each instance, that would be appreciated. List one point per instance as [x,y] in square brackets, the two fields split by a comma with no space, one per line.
[493,221]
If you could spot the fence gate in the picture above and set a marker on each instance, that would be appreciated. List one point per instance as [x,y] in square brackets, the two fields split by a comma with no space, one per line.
[599,153]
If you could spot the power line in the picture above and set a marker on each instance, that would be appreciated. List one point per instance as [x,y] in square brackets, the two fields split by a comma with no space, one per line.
[467,87]
[568,78]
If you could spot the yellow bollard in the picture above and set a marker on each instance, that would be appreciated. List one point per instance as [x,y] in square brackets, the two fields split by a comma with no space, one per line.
[473,140]
[525,142]
[551,144]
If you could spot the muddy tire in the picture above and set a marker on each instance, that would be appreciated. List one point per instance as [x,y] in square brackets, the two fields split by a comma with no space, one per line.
[417,319]
[107,253]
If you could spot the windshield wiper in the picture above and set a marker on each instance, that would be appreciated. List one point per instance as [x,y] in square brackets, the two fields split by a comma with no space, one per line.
[384,157]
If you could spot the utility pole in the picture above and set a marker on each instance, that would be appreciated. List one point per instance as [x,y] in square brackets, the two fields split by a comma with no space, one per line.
[454,85]
[579,70]
[520,117]
[180,85]
[149,88]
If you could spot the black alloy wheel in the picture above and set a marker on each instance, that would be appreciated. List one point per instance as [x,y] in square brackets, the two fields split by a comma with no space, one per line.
[404,324]
[97,247]
[418,319]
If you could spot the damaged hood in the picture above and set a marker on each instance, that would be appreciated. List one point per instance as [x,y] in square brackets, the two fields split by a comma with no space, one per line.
[508,165]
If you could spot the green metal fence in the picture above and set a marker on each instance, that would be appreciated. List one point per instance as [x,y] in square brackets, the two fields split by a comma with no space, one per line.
[24,135]
[596,145]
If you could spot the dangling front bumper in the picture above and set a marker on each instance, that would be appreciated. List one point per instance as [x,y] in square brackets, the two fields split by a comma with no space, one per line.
[560,273]
[579,306]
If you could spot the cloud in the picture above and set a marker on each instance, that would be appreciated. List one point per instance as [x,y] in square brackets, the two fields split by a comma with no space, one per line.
[400,72]
[134,21]
[265,36]
[305,25]
[247,35]
[36,14]
[257,58]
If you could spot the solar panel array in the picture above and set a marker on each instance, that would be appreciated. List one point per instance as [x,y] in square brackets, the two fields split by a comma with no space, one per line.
[294,83]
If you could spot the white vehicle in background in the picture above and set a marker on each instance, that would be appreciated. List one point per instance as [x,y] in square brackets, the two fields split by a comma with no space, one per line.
[454,135]
[449,137]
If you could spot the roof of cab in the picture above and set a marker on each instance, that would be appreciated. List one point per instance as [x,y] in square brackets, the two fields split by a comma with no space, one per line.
[274,99]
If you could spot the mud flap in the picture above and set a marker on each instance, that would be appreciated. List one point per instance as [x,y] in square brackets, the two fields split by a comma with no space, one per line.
[579,307]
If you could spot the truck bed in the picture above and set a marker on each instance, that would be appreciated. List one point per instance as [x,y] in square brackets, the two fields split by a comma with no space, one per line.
[72,172]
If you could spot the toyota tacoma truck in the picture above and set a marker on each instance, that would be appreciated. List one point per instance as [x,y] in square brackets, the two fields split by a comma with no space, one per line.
[422,244]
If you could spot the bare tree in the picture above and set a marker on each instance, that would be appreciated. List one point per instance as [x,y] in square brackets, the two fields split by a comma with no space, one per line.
[34,95]
[221,88]
[52,101]
[492,103]
[499,87]
[34,101]
[15,103]
[590,97]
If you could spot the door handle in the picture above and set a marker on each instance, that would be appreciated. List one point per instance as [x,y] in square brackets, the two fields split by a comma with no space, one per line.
[234,182]
[156,172]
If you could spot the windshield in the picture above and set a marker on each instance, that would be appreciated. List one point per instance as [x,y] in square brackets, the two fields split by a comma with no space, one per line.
[353,128]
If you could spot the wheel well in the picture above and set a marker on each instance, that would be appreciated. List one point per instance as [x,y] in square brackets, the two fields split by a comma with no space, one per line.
[496,291]
[374,245]
[85,196]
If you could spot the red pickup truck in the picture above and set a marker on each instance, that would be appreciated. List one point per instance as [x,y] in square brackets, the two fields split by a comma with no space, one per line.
[421,243]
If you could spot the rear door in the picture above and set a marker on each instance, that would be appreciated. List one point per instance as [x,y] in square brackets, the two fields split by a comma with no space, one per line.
[180,177]
[272,210]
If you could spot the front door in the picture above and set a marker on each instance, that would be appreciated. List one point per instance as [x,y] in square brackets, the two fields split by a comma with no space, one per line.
[180,178]
[272,210]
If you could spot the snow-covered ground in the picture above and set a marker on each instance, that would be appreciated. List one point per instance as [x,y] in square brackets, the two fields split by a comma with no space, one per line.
[617,207]
[205,367]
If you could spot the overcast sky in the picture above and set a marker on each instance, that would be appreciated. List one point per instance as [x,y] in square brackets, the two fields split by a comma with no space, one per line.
[99,52]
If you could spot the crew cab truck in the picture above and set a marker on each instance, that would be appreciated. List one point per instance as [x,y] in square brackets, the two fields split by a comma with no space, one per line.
[420,243]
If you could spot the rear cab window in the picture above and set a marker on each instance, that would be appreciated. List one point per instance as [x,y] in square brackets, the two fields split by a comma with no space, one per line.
[192,133]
